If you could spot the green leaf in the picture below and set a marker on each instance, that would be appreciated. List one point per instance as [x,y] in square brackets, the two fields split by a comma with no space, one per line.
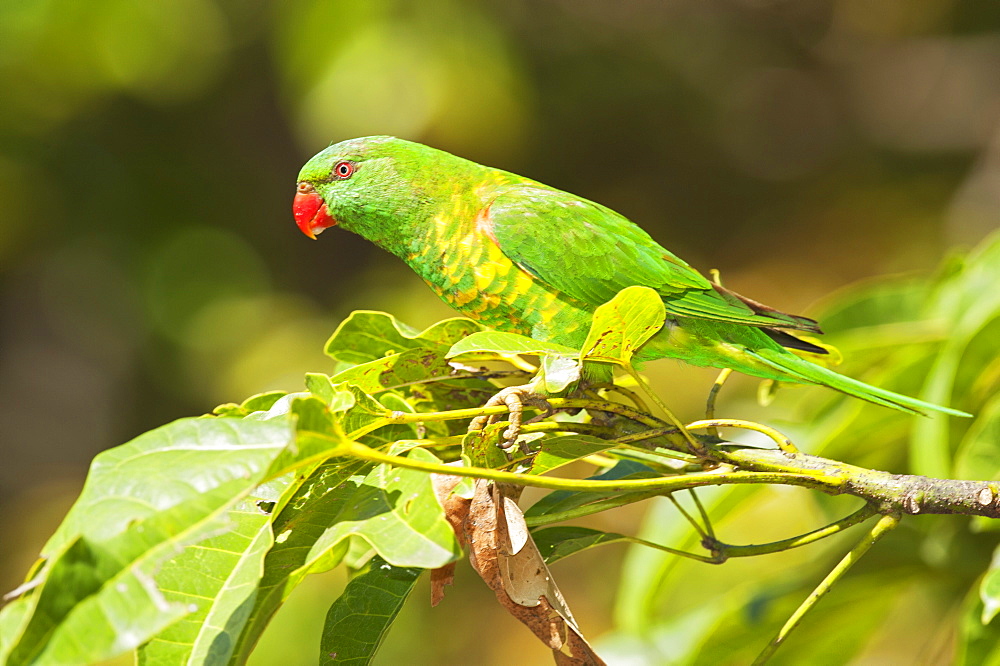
[555,543]
[397,370]
[262,401]
[558,372]
[560,366]
[481,448]
[367,336]
[978,639]
[395,510]
[313,415]
[359,619]
[219,577]
[978,455]
[564,500]
[969,301]
[497,342]
[395,402]
[338,397]
[624,324]
[177,462]
[91,608]
[171,488]
[229,409]
[365,411]
[989,590]
[256,403]
[357,408]
[142,503]
[448,394]
[559,451]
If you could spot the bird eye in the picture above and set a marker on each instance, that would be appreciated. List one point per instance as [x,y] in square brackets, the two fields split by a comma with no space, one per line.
[343,170]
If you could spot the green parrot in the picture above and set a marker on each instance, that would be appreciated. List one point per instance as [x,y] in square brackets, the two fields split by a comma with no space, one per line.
[523,257]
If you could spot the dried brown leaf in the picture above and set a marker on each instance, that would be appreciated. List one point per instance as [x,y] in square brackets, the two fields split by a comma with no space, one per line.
[506,557]
[456,509]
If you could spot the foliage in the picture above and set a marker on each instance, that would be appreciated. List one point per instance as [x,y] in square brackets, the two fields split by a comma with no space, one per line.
[186,540]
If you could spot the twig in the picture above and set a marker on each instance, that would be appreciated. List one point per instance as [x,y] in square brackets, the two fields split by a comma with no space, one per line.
[884,525]
[727,551]
[712,395]
[784,443]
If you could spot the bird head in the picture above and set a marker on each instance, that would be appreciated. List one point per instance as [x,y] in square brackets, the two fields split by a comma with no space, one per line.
[364,185]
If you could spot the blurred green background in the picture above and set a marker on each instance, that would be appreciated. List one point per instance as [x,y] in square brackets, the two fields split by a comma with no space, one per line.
[150,268]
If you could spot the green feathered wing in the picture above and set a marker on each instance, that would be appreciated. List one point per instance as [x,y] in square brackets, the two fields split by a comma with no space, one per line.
[590,253]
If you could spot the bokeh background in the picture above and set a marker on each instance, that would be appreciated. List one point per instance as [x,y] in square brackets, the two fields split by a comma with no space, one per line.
[150,268]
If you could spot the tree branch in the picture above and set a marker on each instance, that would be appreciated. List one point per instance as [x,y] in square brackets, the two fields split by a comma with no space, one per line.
[891,493]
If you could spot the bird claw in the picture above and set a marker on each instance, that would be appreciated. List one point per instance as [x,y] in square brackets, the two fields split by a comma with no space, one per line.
[514,398]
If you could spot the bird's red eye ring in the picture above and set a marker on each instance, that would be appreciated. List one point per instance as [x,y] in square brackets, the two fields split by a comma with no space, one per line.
[343,170]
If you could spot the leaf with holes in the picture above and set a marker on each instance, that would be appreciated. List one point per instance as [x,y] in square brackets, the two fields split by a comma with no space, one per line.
[624,324]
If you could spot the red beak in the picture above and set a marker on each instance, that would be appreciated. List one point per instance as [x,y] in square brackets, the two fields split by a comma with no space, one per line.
[310,211]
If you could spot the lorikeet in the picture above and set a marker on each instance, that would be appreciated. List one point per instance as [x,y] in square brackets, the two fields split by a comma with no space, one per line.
[527,258]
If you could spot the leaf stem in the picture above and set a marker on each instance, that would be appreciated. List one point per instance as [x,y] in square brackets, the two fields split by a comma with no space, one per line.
[646,434]
[695,445]
[628,393]
[783,442]
[707,559]
[704,514]
[687,516]
[712,395]
[859,516]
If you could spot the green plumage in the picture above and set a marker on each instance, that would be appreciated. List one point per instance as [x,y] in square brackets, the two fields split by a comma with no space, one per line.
[524,257]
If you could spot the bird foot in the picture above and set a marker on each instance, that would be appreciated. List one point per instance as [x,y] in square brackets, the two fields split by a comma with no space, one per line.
[514,398]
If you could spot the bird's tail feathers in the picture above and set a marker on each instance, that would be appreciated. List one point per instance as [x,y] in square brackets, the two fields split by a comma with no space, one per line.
[781,319]
[789,341]
[815,374]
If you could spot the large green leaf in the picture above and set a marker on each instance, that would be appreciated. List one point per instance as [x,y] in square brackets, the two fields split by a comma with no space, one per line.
[219,576]
[367,335]
[498,342]
[360,617]
[419,364]
[143,503]
[91,608]
[394,510]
